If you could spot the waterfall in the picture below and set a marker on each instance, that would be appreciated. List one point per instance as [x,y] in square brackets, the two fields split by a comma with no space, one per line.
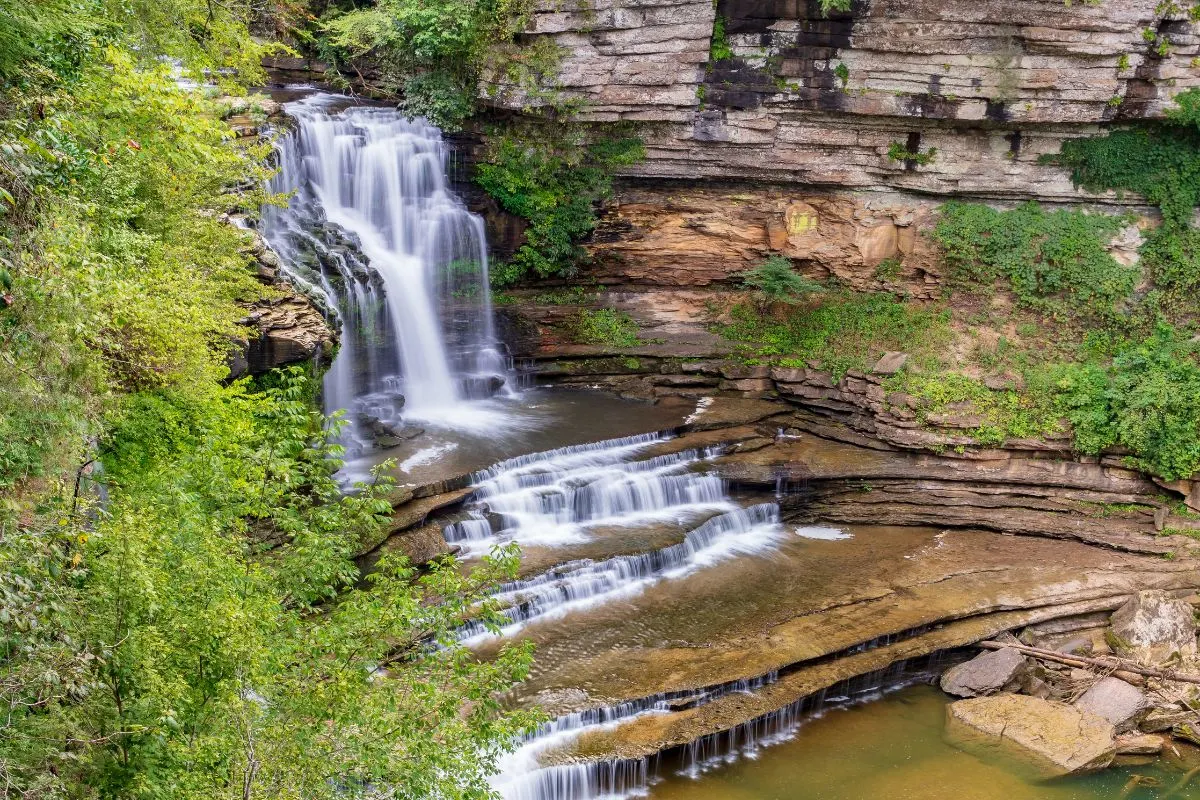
[583,583]
[374,230]
[574,494]
[523,777]
[552,498]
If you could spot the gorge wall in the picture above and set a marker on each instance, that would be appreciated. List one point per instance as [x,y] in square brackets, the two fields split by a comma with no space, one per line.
[784,146]
[992,85]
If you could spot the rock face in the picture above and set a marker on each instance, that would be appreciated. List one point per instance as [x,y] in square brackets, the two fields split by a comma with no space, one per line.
[1116,701]
[987,673]
[1154,628]
[1053,739]
[290,330]
[820,100]
[703,236]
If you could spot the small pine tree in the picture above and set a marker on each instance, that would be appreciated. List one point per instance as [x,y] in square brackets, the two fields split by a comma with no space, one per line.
[774,280]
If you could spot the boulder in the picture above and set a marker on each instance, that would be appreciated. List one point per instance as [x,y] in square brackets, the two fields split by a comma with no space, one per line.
[987,673]
[1115,700]
[1188,732]
[1154,628]
[1051,739]
[1139,744]
[1163,719]
[890,363]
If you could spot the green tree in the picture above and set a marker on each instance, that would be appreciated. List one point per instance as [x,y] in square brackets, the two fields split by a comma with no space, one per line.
[775,280]
[439,54]
[201,632]
[553,176]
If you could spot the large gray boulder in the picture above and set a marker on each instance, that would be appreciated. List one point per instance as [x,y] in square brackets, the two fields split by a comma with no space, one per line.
[1115,700]
[1050,739]
[987,673]
[1153,628]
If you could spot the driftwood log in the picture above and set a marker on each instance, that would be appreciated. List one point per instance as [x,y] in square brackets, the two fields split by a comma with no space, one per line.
[1118,665]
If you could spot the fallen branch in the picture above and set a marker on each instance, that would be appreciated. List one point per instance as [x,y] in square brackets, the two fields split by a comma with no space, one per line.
[1183,782]
[1118,664]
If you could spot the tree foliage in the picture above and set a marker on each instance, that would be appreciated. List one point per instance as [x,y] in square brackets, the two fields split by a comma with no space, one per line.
[178,613]
[442,56]
[553,176]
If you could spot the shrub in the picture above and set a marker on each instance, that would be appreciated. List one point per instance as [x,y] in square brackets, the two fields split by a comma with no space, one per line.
[719,49]
[606,326]
[1147,400]
[774,279]
[553,176]
[900,152]
[1162,163]
[834,5]
[844,331]
[435,53]
[1055,255]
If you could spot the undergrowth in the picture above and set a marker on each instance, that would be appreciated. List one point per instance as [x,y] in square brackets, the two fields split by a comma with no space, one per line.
[553,176]
[1047,259]
[842,331]
[605,326]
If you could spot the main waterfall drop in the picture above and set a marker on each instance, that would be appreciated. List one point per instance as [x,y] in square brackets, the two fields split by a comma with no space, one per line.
[375,229]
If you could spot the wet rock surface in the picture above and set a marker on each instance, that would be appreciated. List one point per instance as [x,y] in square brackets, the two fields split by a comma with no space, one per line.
[1053,739]
[288,326]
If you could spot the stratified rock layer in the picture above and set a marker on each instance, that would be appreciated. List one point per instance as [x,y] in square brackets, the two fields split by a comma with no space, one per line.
[820,100]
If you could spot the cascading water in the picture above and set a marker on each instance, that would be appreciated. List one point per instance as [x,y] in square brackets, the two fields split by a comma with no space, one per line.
[374,228]
[550,498]
[579,584]
[523,777]
[562,497]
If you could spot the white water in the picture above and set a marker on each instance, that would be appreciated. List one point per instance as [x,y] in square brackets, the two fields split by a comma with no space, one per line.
[523,777]
[572,494]
[582,584]
[554,498]
[375,229]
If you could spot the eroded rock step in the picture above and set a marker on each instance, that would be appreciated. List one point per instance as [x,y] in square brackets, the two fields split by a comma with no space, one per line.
[619,751]
[719,660]
[603,498]
[790,613]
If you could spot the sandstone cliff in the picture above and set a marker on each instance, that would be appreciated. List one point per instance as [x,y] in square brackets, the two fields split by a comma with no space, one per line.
[818,101]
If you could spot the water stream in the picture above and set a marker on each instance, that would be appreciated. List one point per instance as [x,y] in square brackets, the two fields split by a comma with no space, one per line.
[560,497]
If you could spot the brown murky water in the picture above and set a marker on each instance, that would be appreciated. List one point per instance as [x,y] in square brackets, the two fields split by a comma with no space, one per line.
[892,749]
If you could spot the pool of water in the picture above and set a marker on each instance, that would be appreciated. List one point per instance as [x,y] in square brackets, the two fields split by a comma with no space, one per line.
[534,420]
[893,749]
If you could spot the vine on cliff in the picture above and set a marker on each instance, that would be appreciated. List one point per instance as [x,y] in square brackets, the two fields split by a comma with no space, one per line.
[1160,161]
[553,175]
